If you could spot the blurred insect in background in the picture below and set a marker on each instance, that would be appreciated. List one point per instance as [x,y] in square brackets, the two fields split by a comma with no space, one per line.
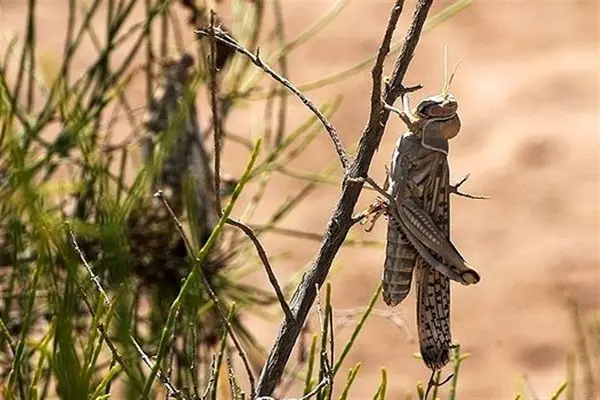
[172,119]
[174,146]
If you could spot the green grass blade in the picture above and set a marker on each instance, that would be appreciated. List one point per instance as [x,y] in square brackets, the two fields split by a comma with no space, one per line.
[349,381]
[193,275]
[559,391]
[311,363]
[357,329]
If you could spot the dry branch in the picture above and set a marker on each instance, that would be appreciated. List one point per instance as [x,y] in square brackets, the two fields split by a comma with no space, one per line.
[212,29]
[356,172]
[341,220]
[217,128]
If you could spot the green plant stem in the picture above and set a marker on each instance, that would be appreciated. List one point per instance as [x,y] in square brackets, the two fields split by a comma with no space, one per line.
[193,276]
[357,329]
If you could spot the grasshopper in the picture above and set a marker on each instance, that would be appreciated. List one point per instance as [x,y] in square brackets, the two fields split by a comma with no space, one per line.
[172,119]
[418,210]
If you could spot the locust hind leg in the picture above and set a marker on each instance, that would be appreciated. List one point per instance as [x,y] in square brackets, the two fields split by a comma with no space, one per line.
[433,316]
[423,229]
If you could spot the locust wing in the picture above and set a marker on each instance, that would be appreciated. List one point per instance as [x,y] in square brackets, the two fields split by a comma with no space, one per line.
[400,257]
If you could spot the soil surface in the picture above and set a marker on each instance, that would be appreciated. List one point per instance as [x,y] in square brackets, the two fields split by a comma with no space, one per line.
[528,93]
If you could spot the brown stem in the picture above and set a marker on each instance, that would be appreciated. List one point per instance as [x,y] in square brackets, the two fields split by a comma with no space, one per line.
[215,113]
[341,220]
[265,260]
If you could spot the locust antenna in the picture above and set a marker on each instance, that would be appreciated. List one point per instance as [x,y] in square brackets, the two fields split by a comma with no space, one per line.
[445,85]
[452,75]
[448,80]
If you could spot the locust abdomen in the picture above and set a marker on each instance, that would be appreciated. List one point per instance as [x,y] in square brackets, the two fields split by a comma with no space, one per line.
[400,258]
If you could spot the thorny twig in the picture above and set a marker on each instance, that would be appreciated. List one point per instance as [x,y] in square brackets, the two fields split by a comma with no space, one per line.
[213,377]
[234,388]
[117,356]
[161,375]
[93,277]
[217,142]
[454,189]
[227,39]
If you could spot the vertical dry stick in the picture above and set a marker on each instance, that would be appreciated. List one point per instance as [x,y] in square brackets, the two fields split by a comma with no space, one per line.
[217,154]
[341,220]
[215,112]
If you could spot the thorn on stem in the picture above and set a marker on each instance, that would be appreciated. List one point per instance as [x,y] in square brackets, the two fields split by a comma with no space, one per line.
[454,189]
[410,89]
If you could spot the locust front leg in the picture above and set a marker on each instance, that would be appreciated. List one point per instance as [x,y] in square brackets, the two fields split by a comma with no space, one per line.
[375,210]
[373,213]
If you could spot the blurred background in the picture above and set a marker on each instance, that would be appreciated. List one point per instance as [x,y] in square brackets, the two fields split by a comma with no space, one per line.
[527,88]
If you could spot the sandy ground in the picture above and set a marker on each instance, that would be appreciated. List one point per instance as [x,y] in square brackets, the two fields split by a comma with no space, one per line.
[528,94]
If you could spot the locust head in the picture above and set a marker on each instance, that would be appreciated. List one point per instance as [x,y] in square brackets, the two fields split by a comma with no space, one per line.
[435,119]
[438,116]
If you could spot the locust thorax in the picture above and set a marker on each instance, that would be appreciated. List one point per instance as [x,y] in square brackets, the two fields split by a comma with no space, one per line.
[438,116]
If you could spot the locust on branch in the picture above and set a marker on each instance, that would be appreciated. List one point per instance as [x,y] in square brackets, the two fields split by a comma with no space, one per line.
[418,211]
